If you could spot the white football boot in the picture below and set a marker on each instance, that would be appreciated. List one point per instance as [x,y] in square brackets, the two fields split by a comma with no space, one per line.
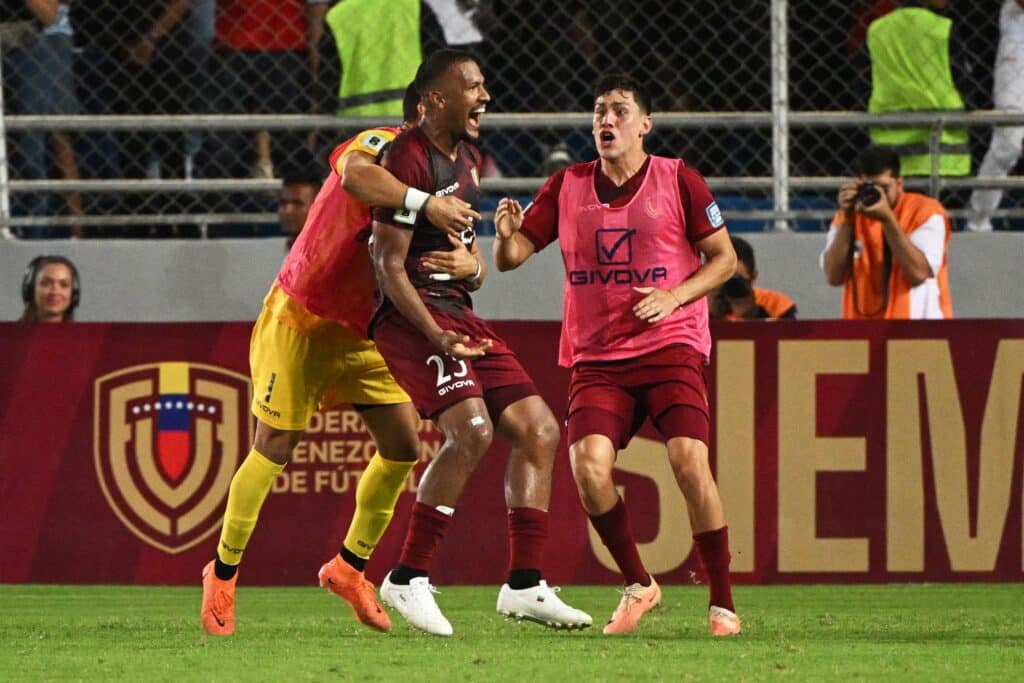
[542,605]
[722,622]
[416,603]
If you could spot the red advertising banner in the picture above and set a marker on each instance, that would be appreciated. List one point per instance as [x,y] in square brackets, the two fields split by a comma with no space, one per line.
[844,452]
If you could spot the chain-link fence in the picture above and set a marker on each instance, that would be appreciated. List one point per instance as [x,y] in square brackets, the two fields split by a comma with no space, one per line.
[201,59]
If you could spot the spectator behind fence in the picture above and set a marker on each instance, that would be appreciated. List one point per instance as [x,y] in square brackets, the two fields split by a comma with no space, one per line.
[134,62]
[557,158]
[50,289]
[911,71]
[38,66]
[379,46]
[888,247]
[267,54]
[739,299]
[465,23]
[299,187]
[1007,93]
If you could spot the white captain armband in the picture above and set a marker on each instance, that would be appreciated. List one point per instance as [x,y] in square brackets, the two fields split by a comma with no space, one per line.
[406,216]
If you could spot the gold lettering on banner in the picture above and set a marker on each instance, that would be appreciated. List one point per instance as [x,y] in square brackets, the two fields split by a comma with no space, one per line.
[672,545]
[802,454]
[734,439]
[335,466]
[324,463]
[336,422]
[930,359]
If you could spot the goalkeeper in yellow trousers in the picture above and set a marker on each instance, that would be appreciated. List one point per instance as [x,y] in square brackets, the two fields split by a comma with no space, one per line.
[309,349]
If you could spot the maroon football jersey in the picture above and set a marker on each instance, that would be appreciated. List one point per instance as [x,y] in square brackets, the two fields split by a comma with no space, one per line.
[415,161]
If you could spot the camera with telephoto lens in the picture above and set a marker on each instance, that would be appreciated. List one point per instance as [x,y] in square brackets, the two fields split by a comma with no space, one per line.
[736,287]
[868,194]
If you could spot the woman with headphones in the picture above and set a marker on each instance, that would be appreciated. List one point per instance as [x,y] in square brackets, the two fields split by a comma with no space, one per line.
[50,290]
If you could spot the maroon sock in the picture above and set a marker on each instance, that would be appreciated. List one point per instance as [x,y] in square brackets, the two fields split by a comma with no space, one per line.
[613,528]
[527,532]
[713,551]
[426,529]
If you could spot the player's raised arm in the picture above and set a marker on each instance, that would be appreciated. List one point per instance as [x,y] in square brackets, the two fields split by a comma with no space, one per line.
[390,249]
[366,180]
[719,266]
[520,232]
[511,248]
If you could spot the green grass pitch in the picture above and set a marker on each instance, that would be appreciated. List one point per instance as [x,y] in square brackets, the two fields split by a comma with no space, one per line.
[948,632]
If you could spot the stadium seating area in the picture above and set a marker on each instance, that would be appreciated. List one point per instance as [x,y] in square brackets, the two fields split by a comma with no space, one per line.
[198,65]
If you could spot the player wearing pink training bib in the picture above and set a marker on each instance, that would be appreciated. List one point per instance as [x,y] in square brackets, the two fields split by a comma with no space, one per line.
[633,229]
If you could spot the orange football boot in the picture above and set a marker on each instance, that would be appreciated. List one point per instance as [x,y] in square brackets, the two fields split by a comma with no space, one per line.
[218,603]
[636,601]
[342,579]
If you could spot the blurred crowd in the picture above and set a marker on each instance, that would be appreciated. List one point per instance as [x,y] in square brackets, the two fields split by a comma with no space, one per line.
[351,57]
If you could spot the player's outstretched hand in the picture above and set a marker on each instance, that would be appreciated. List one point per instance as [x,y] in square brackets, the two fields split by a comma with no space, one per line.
[451,214]
[508,218]
[460,346]
[656,305]
[457,264]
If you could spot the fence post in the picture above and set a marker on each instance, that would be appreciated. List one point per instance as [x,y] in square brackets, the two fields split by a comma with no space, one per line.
[934,150]
[5,197]
[780,113]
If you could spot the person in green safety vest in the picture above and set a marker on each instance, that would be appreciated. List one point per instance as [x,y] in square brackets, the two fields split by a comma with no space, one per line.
[910,71]
[380,45]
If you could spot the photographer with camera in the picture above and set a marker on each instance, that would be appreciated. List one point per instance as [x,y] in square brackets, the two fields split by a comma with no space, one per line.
[888,247]
[739,299]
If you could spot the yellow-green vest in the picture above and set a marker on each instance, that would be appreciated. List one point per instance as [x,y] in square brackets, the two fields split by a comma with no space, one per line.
[379,48]
[910,71]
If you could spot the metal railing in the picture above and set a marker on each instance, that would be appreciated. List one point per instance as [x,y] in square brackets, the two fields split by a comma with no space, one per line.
[780,184]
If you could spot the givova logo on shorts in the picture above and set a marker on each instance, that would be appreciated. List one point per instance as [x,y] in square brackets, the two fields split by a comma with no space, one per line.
[450,382]
[167,439]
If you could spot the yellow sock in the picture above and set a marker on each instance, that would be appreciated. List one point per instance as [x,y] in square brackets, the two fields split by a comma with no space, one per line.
[376,497]
[249,488]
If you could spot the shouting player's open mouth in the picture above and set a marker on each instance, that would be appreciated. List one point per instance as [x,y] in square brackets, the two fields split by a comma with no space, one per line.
[606,139]
[474,118]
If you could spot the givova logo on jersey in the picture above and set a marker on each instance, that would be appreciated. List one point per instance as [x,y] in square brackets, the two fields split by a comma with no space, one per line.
[167,439]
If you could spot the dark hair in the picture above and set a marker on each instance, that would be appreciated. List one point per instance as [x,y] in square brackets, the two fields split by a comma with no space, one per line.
[410,104]
[744,252]
[436,65]
[878,159]
[302,174]
[625,83]
[28,286]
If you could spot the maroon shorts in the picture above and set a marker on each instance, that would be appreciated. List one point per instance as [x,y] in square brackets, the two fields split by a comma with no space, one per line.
[435,381]
[613,398]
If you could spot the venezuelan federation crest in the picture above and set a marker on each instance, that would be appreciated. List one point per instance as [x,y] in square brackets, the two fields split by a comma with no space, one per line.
[167,439]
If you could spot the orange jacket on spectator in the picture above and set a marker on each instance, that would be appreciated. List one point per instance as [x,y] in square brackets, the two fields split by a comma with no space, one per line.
[773,305]
[865,297]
